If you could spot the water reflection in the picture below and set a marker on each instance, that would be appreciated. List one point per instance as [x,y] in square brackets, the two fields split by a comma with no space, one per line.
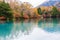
[30,29]
[5,28]
[50,25]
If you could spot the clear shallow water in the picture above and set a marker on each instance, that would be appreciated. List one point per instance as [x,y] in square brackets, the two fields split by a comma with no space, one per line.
[33,29]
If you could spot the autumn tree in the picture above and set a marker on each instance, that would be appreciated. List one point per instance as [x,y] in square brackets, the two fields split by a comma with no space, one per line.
[25,8]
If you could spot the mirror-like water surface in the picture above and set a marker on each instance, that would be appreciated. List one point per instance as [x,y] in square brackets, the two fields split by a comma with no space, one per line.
[33,29]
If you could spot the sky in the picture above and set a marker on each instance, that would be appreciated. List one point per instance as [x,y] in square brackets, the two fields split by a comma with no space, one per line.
[54,0]
[34,3]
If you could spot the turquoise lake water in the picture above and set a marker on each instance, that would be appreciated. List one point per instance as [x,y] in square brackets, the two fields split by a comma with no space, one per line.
[30,29]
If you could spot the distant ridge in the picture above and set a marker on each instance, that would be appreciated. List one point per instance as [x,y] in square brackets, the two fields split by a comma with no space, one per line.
[50,3]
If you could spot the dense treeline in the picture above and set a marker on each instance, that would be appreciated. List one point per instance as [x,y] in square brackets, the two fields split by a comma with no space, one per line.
[52,13]
[5,10]
[25,10]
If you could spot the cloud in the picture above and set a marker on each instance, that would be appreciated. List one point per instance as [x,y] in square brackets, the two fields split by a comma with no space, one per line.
[34,2]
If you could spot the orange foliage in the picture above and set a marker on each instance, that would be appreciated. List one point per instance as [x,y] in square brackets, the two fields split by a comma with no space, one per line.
[46,8]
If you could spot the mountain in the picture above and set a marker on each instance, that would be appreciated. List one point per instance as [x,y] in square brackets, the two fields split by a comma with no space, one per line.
[50,3]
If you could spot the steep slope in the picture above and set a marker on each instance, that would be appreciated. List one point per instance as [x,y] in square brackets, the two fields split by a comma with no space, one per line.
[50,3]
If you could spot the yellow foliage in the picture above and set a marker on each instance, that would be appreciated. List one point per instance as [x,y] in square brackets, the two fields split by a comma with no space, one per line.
[46,8]
[35,11]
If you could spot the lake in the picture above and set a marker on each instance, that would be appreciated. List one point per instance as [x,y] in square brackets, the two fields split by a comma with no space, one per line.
[30,29]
